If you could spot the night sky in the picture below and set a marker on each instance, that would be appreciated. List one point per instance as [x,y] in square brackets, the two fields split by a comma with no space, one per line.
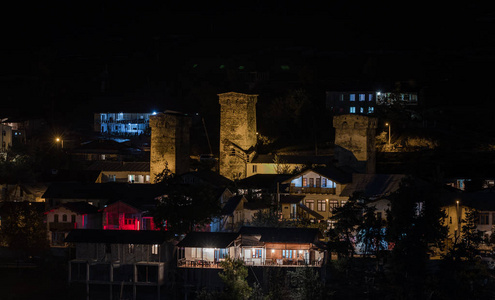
[75,58]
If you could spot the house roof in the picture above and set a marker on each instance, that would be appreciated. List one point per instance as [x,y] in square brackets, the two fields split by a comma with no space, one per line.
[208,239]
[210,177]
[292,159]
[117,236]
[262,181]
[373,185]
[291,199]
[283,235]
[120,166]
[483,200]
[80,207]
[231,205]
[311,212]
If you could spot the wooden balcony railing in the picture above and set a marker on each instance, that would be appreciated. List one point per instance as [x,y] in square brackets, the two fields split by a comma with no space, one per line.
[312,190]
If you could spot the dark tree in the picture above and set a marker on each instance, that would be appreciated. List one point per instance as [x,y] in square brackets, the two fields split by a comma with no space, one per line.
[341,236]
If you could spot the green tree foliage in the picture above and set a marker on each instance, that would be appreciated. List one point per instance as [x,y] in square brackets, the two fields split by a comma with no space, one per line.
[341,236]
[307,284]
[184,207]
[23,229]
[466,244]
[415,224]
[370,232]
[234,276]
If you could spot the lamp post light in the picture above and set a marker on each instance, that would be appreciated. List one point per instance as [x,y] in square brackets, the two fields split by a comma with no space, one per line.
[458,218]
[61,141]
[388,124]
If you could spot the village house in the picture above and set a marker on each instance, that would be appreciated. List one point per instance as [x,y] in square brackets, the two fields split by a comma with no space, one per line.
[128,215]
[237,211]
[120,171]
[60,220]
[126,261]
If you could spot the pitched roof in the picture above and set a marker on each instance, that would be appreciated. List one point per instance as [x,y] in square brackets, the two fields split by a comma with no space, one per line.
[210,177]
[208,239]
[291,199]
[373,185]
[283,235]
[117,236]
[80,207]
[262,181]
[120,166]
[231,205]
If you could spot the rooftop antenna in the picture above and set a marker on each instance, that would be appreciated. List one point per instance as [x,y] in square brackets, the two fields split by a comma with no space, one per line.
[206,132]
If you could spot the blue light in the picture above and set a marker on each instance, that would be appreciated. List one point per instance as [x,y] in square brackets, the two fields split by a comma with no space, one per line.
[154,113]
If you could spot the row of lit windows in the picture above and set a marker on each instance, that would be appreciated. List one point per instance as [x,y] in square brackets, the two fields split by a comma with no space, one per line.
[361,97]
[319,182]
[370,110]
[321,205]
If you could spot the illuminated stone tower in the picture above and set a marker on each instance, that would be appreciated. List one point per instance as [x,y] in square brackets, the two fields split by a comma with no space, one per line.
[237,133]
[355,142]
[169,143]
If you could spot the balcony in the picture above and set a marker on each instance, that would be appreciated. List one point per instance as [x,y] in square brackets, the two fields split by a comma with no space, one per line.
[312,190]
[61,226]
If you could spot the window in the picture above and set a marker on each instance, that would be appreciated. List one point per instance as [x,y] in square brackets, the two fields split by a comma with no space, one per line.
[55,218]
[311,182]
[287,253]
[343,202]
[232,152]
[310,204]
[154,249]
[484,219]
[255,168]
[352,110]
[318,182]
[322,205]
[361,109]
[341,97]
[64,218]
[333,204]
[323,182]
[257,253]
[73,218]
[305,182]
[362,97]
[131,248]
[371,110]
[352,97]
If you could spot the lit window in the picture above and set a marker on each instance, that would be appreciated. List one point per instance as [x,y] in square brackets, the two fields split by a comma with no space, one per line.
[362,97]
[322,205]
[332,204]
[257,253]
[131,248]
[371,110]
[352,110]
[154,249]
[287,253]
[352,97]
[310,204]
[370,97]
[323,182]
[361,110]
[305,182]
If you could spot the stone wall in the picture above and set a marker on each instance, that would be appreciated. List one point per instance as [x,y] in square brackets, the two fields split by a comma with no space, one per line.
[355,142]
[237,133]
[170,143]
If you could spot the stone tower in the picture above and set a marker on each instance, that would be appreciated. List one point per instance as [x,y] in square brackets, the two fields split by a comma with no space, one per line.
[237,133]
[169,143]
[355,142]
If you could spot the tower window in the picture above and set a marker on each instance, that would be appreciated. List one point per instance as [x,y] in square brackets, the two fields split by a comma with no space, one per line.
[352,97]
[255,168]
[232,152]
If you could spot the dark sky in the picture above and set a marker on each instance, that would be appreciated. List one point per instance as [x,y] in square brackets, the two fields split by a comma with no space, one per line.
[57,54]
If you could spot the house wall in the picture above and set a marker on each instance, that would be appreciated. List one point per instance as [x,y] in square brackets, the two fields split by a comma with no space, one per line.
[237,130]
[272,168]
[169,143]
[123,253]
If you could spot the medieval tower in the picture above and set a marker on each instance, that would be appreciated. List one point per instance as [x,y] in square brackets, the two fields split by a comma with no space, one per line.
[169,143]
[237,133]
[355,142]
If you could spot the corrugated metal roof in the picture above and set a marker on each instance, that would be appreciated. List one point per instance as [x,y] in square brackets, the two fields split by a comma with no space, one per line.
[117,236]
[208,239]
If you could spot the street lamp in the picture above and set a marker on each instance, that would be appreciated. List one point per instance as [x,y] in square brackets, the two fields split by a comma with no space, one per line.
[388,124]
[458,218]
[61,141]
